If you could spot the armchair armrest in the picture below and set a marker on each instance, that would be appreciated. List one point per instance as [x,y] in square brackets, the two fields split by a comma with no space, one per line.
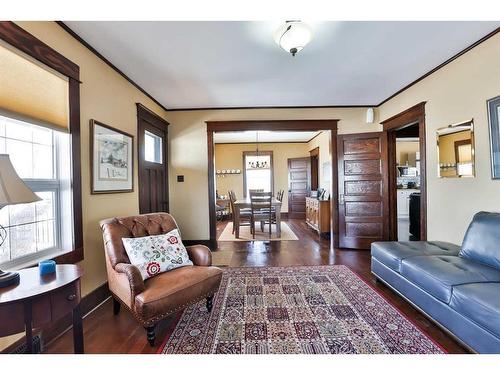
[134,277]
[200,255]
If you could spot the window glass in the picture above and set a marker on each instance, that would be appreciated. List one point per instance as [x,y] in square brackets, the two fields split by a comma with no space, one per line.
[153,148]
[40,157]
[258,172]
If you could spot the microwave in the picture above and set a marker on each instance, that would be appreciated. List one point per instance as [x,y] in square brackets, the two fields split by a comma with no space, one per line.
[407,171]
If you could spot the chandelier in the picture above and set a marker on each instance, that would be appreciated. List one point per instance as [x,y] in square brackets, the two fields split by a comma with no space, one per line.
[257,164]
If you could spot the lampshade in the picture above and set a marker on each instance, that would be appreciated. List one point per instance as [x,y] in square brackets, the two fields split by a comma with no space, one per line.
[293,36]
[13,190]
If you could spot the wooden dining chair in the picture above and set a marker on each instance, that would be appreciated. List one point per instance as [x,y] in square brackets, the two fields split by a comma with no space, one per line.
[279,196]
[250,191]
[245,214]
[261,206]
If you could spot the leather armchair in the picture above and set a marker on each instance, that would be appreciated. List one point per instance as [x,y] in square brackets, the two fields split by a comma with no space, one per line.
[152,300]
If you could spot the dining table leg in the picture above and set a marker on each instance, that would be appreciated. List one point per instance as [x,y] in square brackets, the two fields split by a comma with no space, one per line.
[236,221]
[278,221]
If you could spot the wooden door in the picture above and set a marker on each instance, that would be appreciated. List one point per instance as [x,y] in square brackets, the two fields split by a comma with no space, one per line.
[153,169]
[298,186]
[363,194]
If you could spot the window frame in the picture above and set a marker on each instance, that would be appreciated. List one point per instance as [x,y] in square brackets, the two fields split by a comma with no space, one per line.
[14,35]
[271,167]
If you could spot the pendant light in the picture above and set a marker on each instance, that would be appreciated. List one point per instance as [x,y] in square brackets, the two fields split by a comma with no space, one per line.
[257,164]
[293,36]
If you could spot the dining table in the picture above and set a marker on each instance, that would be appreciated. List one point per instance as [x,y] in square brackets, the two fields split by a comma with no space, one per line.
[246,203]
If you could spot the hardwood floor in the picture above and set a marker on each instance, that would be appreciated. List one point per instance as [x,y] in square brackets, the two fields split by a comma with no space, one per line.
[106,333]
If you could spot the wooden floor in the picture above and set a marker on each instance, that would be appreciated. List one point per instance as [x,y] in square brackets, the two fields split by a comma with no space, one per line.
[106,333]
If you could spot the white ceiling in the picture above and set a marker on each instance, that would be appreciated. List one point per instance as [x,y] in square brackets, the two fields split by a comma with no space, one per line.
[264,137]
[238,64]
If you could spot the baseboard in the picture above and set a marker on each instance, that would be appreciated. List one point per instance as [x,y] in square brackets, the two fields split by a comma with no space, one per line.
[50,333]
[206,243]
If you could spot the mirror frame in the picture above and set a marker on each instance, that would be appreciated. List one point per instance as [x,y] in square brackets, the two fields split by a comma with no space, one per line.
[473,149]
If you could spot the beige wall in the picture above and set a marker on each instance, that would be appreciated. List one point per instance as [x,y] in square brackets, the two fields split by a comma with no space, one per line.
[188,154]
[108,97]
[323,142]
[230,156]
[403,148]
[454,94]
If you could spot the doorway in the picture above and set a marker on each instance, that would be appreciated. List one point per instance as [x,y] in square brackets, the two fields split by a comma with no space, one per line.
[153,165]
[270,126]
[298,186]
[408,214]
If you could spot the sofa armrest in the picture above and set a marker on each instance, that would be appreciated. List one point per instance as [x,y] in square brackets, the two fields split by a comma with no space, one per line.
[134,277]
[200,255]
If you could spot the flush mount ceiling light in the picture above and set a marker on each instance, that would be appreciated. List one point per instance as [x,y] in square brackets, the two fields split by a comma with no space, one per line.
[293,36]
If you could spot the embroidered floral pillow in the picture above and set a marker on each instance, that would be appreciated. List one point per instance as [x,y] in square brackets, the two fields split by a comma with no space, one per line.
[157,254]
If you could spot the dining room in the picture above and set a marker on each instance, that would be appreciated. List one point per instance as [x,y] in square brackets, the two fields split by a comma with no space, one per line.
[263,179]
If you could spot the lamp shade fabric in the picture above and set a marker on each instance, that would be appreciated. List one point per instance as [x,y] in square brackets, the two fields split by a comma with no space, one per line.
[13,190]
[31,91]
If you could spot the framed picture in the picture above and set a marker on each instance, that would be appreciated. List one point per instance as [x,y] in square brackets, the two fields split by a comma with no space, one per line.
[112,160]
[494,121]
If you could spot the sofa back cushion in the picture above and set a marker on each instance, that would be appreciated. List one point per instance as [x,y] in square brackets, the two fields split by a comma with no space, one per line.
[114,229]
[482,239]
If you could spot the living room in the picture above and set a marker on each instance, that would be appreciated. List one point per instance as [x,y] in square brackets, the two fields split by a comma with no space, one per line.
[124,141]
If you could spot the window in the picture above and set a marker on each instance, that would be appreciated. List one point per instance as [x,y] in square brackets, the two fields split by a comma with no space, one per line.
[152,147]
[256,176]
[41,157]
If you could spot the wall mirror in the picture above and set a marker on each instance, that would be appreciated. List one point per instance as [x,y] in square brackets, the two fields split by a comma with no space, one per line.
[456,150]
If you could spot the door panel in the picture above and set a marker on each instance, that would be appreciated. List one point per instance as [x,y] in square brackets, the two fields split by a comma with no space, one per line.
[153,184]
[298,186]
[363,199]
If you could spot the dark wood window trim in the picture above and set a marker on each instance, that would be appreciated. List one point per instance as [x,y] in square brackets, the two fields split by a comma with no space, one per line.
[254,153]
[24,41]
[415,114]
[283,125]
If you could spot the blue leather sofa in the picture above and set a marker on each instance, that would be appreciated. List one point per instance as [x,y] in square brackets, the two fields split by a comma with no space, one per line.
[457,287]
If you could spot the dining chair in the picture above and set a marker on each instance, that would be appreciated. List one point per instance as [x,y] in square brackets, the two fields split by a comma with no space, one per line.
[279,196]
[261,206]
[245,216]
[250,191]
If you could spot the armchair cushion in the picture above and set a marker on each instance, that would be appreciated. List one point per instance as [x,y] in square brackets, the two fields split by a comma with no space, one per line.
[153,255]
[171,291]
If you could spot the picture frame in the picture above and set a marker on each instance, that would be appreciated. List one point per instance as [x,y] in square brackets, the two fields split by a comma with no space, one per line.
[494,129]
[111,159]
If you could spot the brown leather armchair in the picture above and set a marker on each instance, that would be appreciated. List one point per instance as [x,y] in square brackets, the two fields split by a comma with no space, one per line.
[151,300]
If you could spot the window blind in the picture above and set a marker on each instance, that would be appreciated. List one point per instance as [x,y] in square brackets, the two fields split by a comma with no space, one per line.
[31,91]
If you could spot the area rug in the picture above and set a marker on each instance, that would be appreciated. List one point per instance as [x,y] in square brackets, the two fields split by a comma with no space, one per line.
[295,310]
[245,235]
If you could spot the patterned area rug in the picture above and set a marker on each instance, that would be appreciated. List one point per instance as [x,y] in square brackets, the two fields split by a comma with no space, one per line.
[295,310]
[287,234]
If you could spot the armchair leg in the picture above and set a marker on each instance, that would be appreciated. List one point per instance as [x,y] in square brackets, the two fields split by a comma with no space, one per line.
[210,303]
[151,335]
[116,306]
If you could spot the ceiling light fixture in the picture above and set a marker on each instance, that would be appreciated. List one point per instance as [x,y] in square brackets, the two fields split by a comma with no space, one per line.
[293,36]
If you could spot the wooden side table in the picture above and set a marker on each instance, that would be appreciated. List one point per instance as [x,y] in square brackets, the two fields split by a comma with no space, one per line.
[38,301]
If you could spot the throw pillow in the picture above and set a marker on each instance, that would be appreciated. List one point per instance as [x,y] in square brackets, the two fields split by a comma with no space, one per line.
[157,254]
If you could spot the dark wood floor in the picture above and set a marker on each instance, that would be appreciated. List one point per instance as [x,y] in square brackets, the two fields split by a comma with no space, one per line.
[106,333]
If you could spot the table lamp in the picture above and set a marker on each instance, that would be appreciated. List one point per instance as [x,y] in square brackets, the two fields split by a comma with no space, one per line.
[13,190]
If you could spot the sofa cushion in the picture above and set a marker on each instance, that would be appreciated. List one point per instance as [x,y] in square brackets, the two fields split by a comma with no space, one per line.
[438,274]
[482,239]
[392,253]
[480,302]
[169,291]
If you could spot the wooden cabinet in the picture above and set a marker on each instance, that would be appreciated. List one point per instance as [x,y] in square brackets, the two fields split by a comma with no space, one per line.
[318,215]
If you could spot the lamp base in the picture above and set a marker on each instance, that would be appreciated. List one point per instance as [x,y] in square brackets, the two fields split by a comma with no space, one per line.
[8,279]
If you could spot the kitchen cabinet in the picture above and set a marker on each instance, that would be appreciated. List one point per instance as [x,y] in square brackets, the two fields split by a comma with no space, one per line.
[403,201]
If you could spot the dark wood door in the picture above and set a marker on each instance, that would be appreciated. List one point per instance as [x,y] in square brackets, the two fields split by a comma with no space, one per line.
[153,169]
[363,194]
[299,170]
